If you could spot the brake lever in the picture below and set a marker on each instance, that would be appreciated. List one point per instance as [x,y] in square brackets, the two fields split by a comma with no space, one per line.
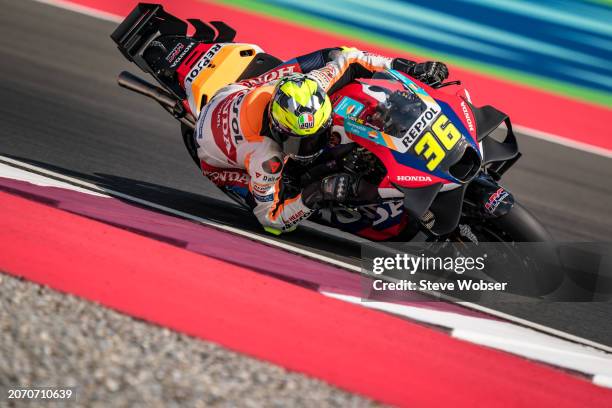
[437,85]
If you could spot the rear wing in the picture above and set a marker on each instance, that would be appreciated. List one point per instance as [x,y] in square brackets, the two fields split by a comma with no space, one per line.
[144,24]
[149,27]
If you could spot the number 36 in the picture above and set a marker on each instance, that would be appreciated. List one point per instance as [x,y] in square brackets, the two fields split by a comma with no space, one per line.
[433,148]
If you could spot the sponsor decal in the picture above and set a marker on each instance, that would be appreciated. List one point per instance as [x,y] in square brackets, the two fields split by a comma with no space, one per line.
[420,125]
[384,215]
[270,179]
[295,218]
[378,59]
[468,118]
[348,107]
[413,178]
[235,125]
[270,76]
[175,52]
[202,63]
[227,177]
[495,199]
[261,188]
[273,165]
[266,198]
[225,130]
[182,55]
[325,75]
[201,122]
[368,133]
[306,121]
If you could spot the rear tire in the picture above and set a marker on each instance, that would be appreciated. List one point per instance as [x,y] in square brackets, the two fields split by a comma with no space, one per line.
[190,143]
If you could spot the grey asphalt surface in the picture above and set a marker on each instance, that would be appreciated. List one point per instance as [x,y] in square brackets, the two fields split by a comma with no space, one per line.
[51,339]
[61,109]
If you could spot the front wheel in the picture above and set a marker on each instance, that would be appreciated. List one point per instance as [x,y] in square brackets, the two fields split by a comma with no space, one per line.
[529,273]
[519,225]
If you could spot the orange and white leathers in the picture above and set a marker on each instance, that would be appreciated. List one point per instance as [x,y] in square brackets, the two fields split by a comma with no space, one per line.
[229,129]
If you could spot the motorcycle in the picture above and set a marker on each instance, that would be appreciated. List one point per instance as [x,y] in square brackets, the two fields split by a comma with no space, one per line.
[427,164]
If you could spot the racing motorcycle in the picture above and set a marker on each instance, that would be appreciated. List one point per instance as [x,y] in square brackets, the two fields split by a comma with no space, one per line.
[424,156]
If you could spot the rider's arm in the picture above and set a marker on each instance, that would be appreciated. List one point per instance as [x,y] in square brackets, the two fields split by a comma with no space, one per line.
[357,64]
[345,65]
[274,208]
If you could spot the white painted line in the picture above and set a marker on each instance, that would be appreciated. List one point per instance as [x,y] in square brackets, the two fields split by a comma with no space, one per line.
[572,144]
[290,248]
[504,336]
[33,178]
[536,346]
[602,380]
[527,131]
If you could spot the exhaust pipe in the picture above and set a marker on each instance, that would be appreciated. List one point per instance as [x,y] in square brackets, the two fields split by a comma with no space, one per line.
[169,102]
[139,85]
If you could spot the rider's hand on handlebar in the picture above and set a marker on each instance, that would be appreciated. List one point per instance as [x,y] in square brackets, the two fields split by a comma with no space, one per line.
[336,188]
[429,72]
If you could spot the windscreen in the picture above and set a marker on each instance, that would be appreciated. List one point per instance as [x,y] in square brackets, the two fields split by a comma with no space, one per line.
[397,109]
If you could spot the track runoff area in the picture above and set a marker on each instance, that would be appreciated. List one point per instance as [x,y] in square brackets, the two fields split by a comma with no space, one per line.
[320,336]
[189,277]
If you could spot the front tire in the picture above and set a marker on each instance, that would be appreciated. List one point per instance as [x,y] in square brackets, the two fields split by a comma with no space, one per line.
[519,225]
[531,276]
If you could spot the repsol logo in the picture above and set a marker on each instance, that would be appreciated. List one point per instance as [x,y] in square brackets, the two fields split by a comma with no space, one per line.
[225,125]
[235,126]
[413,178]
[417,128]
[202,63]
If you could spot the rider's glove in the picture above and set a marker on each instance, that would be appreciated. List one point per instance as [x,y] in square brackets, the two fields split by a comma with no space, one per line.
[429,72]
[336,188]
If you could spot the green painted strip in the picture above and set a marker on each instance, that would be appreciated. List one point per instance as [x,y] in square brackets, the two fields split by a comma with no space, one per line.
[602,2]
[323,25]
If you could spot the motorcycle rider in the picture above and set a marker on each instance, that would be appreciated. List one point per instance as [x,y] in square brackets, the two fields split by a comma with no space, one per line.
[257,124]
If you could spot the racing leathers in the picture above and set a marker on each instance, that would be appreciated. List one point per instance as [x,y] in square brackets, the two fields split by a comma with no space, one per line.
[232,130]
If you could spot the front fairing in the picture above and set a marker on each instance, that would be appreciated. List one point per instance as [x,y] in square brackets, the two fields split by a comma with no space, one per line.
[439,154]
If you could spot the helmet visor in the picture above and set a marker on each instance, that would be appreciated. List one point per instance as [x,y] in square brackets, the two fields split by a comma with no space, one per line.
[304,148]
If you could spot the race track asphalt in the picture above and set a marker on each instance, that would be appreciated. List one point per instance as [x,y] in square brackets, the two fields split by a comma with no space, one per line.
[62,110]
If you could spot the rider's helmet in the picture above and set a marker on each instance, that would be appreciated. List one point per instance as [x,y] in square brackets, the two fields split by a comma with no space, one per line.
[300,117]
